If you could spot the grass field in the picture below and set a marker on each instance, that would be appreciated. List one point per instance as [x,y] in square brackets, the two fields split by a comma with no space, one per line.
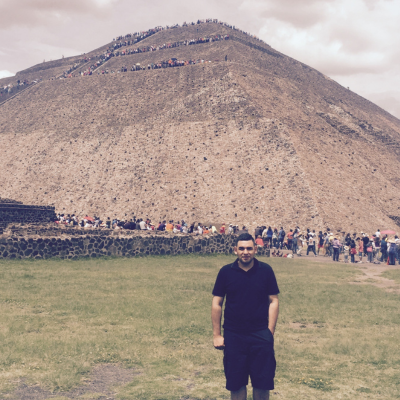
[59,319]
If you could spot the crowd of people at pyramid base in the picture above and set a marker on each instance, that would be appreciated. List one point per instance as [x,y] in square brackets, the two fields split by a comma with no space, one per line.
[377,247]
[195,228]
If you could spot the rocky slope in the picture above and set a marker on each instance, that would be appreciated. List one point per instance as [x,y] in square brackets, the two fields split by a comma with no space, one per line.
[260,138]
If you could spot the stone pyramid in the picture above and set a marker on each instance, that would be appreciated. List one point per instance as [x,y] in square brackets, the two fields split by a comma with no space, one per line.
[257,139]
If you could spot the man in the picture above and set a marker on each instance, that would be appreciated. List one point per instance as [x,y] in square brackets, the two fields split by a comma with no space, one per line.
[281,238]
[251,313]
[365,240]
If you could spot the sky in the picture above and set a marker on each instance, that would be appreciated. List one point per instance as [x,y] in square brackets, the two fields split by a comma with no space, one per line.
[354,42]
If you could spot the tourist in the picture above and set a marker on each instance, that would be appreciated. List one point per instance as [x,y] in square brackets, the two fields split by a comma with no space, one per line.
[320,242]
[353,250]
[290,239]
[281,237]
[222,229]
[169,227]
[251,313]
[360,244]
[311,244]
[336,246]
[392,252]
[365,240]
[275,238]
[384,255]
[294,242]
[346,253]
[259,241]
[370,251]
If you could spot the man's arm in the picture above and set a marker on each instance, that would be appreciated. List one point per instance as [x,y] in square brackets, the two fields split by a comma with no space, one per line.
[216,314]
[273,312]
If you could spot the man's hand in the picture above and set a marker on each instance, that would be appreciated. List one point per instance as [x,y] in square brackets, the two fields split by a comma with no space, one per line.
[219,342]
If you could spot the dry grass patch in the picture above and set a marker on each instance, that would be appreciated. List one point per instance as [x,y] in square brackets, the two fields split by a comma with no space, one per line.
[60,320]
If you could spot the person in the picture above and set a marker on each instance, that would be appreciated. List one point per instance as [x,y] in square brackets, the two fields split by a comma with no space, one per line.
[259,241]
[353,250]
[370,251]
[336,246]
[222,230]
[290,239]
[268,235]
[360,243]
[275,238]
[310,245]
[281,237]
[383,250]
[320,241]
[294,243]
[346,254]
[365,240]
[392,252]
[250,316]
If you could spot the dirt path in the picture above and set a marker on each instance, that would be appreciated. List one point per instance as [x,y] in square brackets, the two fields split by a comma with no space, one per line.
[99,386]
[370,274]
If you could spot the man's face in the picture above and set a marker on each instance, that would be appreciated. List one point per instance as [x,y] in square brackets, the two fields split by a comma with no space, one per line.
[245,250]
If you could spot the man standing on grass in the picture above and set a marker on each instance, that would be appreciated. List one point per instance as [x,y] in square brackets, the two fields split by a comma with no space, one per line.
[251,312]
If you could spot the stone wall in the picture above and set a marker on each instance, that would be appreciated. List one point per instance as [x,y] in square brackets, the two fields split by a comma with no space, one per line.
[20,213]
[103,245]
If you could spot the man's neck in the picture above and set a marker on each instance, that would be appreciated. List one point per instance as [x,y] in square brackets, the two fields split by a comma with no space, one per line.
[246,267]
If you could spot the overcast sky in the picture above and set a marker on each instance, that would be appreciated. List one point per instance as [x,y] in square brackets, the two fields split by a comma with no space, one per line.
[355,42]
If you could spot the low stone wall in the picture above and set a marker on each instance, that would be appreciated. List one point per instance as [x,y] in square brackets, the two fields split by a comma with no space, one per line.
[102,245]
[20,213]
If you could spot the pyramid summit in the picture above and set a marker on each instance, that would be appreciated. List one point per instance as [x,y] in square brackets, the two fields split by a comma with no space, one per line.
[202,122]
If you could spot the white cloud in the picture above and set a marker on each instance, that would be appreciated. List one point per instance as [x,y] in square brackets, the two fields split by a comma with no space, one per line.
[5,74]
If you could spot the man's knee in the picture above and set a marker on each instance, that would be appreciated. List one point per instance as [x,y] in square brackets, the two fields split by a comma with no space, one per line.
[240,394]
[260,394]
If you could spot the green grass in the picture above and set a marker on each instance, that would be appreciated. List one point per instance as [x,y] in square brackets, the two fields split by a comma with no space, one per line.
[392,274]
[58,319]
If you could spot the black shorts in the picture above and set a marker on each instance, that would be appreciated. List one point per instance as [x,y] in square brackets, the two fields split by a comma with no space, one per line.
[249,354]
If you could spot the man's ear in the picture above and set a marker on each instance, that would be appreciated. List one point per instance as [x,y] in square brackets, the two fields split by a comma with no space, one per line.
[235,250]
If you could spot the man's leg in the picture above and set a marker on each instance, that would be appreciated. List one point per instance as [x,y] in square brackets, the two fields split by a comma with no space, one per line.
[240,394]
[259,394]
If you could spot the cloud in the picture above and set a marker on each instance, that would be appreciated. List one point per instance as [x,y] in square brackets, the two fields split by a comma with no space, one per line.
[48,12]
[5,74]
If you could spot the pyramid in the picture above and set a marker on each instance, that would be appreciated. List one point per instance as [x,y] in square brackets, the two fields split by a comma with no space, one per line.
[243,134]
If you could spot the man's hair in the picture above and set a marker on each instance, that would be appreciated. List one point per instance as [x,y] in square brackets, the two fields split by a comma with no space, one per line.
[244,237]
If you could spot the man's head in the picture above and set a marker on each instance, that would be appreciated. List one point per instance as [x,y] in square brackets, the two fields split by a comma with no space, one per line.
[245,248]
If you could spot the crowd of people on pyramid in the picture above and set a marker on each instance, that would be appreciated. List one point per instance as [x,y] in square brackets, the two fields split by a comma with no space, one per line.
[173,62]
[144,34]
[13,88]
[132,38]
[374,248]
[146,49]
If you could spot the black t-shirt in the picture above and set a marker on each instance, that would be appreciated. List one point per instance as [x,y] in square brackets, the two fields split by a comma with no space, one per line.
[247,295]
